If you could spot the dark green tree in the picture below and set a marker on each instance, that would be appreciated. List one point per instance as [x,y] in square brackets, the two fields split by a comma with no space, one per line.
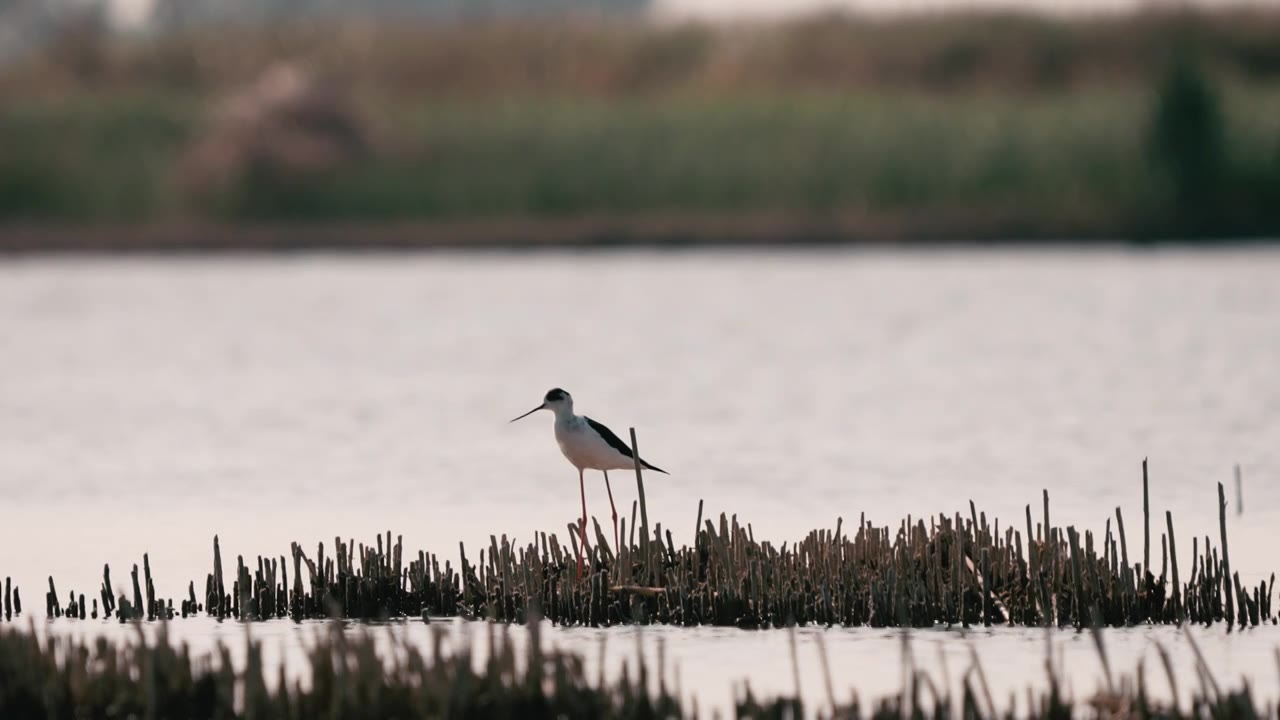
[1188,140]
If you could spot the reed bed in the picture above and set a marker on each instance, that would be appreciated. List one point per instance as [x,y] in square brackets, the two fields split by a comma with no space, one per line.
[946,569]
[348,675]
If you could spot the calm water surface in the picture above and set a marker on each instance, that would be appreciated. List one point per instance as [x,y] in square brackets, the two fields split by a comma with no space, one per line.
[147,404]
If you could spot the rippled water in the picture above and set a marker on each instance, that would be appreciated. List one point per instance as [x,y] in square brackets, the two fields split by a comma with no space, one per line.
[147,404]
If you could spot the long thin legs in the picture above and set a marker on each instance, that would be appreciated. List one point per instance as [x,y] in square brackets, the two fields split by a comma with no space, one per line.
[582,526]
[616,546]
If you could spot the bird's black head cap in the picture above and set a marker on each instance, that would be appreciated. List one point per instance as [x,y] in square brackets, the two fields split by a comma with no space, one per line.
[555,395]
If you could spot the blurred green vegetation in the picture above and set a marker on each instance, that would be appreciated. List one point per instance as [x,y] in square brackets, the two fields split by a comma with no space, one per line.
[999,126]
[1066,155]
[91,158]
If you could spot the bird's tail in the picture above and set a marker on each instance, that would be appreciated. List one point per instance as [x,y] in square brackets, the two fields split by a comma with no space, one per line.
[654,468]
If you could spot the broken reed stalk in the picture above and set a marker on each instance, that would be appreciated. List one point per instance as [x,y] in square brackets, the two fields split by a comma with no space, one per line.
[986,583]
[1124,545]
[644,510]
[1146,521]
[1077,587]
[697,526]
[1228,590]
[1173,556]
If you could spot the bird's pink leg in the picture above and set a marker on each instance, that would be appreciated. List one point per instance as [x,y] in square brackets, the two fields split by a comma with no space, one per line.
[582,527]
[616,545]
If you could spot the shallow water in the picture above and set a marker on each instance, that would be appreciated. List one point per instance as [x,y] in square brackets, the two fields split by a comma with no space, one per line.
[147,404]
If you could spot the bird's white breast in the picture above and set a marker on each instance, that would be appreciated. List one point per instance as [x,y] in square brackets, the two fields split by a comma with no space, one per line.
[585,449]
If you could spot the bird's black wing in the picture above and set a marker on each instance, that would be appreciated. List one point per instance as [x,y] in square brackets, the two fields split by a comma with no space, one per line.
[616,443]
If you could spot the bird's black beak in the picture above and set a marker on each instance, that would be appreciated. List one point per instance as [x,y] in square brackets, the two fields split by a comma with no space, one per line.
[529,413]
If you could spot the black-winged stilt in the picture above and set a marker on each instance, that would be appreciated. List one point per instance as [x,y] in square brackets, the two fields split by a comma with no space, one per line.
[588,445]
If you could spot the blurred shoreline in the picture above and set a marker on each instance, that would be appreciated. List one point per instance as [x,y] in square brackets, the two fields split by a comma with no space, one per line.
[569,234]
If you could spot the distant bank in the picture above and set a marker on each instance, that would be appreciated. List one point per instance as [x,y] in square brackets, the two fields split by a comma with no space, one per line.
[569,234]
[955,128]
